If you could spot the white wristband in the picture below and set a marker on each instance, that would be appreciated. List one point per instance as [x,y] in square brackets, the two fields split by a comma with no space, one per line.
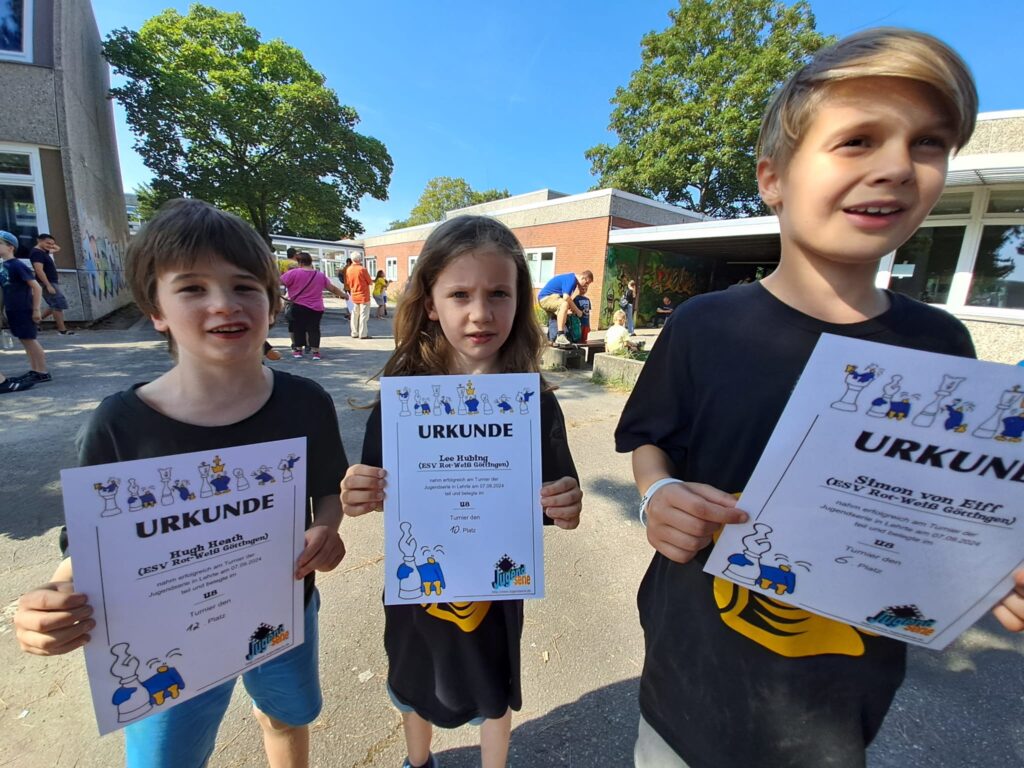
[654,488]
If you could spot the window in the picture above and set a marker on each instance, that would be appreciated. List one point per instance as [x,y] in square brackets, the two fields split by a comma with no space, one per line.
[18,163]
[371,265]
[925,264]
[542,265]
[391,268]
[998,279]
[16,30]
[22,208]
[1006,201]
[412,264]
[953,203]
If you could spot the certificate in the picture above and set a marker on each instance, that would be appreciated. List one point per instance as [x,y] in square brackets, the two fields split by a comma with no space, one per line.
[462,517]
[189,564]
[889,496]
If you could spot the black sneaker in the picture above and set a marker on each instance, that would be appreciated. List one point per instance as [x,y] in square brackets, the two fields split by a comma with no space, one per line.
[66,333]
[15,385]
[36,377]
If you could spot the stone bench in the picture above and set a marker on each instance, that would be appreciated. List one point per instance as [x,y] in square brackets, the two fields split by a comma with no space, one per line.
[617,370]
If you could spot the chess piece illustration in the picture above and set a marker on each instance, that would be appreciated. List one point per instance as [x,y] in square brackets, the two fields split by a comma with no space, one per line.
[991,426]
[410,585]
[205,489]
[130,698]
[241,483]
[880,405]
[928,415]
[745,567]
[108,492]
[855,382]
[166,493]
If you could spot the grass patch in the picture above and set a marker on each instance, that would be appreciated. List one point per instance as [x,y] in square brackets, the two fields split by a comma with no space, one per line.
[616,383]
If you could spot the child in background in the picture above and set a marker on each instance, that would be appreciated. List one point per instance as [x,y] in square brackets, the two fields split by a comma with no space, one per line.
[210,285]
[616,338]
[853,154]
[380,297]
[582,302]
[468,309]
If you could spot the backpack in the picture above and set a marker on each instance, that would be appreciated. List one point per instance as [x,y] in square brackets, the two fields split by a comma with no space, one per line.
[573,329]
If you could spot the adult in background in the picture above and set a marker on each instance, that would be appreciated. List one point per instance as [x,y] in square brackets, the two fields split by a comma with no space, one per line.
[628,304]
[22,297]
[555,298]
[306,288]
[46,273]
[661,314]
[358,281]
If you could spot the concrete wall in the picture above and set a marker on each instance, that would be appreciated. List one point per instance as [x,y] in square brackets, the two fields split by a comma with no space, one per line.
[999,342]
[31,91]
[92,174]
[996,134]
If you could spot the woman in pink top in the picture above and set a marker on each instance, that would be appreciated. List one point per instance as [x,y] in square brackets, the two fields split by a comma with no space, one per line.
[306,289]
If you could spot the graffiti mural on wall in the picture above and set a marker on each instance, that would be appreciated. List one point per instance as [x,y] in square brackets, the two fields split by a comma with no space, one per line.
[103,262]
[657,274]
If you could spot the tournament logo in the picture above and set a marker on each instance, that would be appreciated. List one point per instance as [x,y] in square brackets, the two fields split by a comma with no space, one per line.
[265,638]
[905,617]
[507,574]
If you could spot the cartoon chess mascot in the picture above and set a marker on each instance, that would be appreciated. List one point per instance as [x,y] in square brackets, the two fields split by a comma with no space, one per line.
[286,466]
[130,698]
[523,398]
[165,683]
[403,399]
[862,377]
[263,475]
[1013,428]
[504,406]
[955,415]
[472,402]
[108,488]
[900,409]
[446,403]
[147,497]
[221,483]
[218,466]
[184,492]
[134,501]
[421,406]
[431,575]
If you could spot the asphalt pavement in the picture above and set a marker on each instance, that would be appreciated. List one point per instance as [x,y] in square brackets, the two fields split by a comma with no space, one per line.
[582,644]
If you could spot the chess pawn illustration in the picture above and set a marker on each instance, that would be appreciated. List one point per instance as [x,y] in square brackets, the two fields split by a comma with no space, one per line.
[993,423]
[948,386]
[131,698]
[166,494]
[410,585]
[205,489]
[487,408]
[134,502]
[746,568]
[241,483]
[880,405]
[286,471]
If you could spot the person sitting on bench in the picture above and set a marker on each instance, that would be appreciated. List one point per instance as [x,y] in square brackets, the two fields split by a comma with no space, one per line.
[555,298]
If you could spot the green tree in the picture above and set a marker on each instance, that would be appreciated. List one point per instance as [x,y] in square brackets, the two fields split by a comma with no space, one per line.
[443,194]
[688,121]
[248,125]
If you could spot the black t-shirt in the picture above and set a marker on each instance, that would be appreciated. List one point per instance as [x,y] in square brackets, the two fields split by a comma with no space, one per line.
[454,662]
[124,428]
[583,305]
[730,676]
[16,282]
[39,256]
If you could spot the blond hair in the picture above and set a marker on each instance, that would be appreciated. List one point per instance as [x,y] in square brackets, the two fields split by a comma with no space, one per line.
[617,315]
[878,52]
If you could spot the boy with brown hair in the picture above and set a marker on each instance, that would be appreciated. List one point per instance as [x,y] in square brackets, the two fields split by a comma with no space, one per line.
[210,285]
[852,156]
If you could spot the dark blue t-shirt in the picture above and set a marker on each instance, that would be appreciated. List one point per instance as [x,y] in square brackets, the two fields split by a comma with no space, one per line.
[559,285]
[16,279]
[583,305]
[39,256]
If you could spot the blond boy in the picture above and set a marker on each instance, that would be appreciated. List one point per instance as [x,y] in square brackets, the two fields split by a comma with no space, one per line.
[853,155]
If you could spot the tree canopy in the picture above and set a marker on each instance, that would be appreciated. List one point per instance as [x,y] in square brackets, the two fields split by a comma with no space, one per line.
[443,194]
[248,125]
[688,122]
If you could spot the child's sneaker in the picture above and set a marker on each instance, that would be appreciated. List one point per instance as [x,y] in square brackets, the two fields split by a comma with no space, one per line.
[316,356]
[562,341]
[297,354]
[15,385]
[36,377]
[431,762]
[66,332]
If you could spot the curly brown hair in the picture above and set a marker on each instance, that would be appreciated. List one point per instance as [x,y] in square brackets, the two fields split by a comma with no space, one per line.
[420,345]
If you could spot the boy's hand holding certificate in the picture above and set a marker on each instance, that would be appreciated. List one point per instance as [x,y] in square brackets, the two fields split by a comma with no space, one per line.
[463,519]
[889,496]
[189,564]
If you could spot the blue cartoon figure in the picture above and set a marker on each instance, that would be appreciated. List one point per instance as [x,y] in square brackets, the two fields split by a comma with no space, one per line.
[108,492]
[900,409]
[165,683]
[504,406]
[403,400]
[446,403]
[523,398]
[183,491]
[855,380]
[130,698]
[134,502]
[955,415]
[263,475]
[422,407]
[472,402]
[147,497]
[748,566]
[417,579]
[1013,428]
[431,575]
[221,484]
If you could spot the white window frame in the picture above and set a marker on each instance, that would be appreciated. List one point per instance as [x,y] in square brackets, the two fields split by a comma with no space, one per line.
[25,54]
[412,264]
[371,265]
[391,268]
[539,281]
[34,180]
[974,223]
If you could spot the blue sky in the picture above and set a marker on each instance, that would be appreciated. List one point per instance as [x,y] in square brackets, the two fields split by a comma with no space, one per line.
[513,98]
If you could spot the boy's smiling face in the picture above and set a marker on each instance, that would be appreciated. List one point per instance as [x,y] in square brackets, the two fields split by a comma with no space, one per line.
[215,311]
[869,168]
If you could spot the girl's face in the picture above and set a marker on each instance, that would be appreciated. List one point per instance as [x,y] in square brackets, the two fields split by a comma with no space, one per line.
[216,312]
[474,300]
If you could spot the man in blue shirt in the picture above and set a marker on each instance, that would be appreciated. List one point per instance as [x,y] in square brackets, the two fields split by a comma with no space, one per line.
[22,296]
[555,298]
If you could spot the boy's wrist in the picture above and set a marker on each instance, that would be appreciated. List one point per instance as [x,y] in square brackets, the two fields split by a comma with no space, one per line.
[652,489]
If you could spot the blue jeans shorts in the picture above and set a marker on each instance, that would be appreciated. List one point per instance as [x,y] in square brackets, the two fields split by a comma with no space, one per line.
[286,688]
[56,300]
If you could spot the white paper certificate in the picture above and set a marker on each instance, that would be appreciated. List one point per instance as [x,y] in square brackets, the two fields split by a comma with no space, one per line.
[890,494]
[462,513]
[188,562]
